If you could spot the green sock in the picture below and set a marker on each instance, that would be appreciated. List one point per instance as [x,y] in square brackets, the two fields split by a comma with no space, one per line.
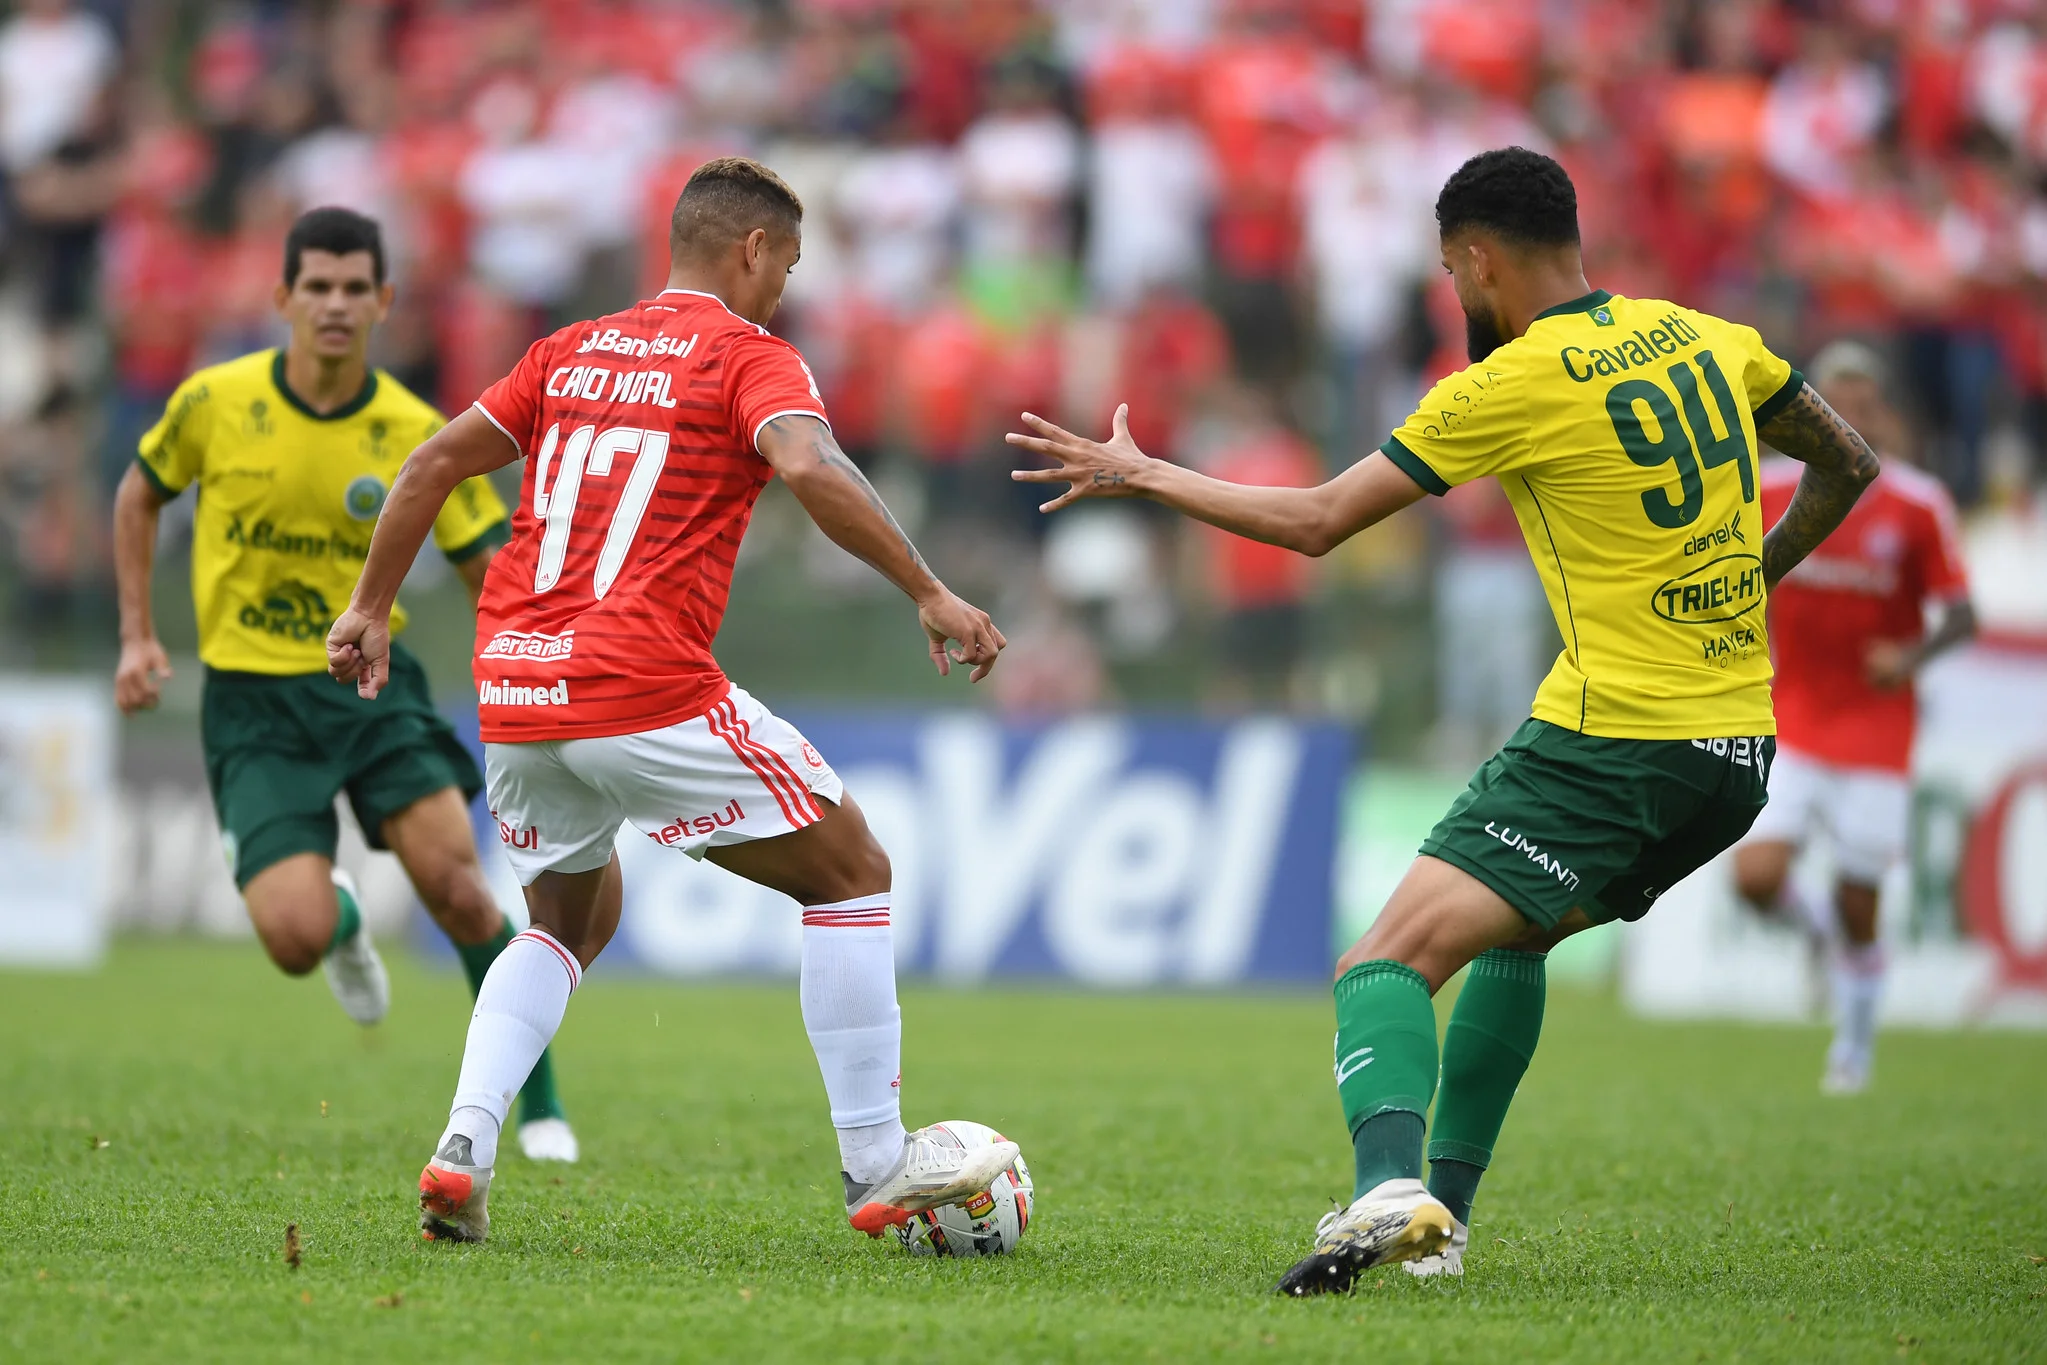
[1385,1067]
[538,1098]
[348,923]
[1486,1050]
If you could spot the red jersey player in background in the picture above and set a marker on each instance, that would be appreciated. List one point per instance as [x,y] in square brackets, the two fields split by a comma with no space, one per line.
[647,436]
[1848,631]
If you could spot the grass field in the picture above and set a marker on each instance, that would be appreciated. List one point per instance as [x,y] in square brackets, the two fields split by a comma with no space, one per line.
[1662,1194]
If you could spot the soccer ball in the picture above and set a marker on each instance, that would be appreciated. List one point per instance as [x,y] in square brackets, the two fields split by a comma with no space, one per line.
[989,1224]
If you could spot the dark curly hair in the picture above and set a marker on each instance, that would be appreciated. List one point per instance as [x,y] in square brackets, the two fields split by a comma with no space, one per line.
[1523,196]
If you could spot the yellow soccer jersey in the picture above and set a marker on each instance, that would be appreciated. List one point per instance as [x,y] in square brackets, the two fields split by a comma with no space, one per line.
[287,501]
[1624,432]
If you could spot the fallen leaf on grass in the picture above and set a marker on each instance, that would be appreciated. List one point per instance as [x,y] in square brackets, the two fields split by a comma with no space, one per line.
[291,1245]
[97,1143]
[746,1294]
[42,1274]
[305,1296]
[323,1109]
[390,1300]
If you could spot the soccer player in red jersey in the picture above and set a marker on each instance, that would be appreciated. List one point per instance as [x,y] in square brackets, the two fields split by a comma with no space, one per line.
[647,436]
[1849,629]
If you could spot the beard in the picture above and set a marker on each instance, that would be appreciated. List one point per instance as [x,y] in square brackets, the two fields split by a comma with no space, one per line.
[1482,335]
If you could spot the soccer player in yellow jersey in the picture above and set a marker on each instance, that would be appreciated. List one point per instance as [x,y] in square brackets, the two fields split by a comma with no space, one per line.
[1624,431]
[292,452]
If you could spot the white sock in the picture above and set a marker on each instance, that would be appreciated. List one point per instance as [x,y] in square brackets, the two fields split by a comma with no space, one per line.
[518,1009]
[849,1008]
[1858,988]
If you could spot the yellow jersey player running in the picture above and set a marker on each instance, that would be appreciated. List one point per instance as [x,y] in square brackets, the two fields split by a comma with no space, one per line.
[1624,431]
[292,452]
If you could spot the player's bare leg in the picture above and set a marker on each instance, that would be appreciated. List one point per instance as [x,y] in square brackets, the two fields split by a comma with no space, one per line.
[307,914]
[1857,990]
[1436,922]
[435,844]
[1762,878]
[839,874]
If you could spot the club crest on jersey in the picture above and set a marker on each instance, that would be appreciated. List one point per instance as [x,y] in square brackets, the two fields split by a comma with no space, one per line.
[364,497]
[522,694]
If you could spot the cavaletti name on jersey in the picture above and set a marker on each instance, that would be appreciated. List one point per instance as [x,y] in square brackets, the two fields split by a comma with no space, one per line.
[1671,335]
[623,386]
[522,694]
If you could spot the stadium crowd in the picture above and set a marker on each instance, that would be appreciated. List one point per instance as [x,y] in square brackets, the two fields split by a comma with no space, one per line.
[1218,211]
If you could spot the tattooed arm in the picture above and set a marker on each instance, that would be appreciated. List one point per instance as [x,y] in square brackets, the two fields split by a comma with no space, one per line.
[1838,465]
[846,508]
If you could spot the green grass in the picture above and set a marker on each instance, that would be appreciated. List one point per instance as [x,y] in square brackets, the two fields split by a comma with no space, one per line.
[1663,1192]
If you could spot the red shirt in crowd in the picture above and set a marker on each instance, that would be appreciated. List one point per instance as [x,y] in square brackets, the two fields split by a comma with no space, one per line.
[1870,580]
[640,432]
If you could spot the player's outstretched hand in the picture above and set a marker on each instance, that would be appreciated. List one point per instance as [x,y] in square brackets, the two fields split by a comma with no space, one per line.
[139,678]
[947,618]
[359,651]
[1089,469]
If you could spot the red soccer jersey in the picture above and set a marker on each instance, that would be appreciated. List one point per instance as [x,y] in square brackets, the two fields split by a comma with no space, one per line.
[1870,580]
[639,432]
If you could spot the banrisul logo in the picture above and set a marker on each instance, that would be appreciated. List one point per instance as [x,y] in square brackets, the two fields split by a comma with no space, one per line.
[1726,588]
[364,497]
[1603,316]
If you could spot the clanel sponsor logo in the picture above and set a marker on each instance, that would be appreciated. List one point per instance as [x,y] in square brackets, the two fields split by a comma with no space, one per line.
[1521,844]
[519,644]
[1717,539]
[520,694]
[1722,589]
[684,827]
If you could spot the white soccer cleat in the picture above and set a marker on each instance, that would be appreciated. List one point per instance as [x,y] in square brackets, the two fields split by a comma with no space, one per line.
[355,973]
[1396,1220]
[1448,1261]
[1845,1076]
[549,1140]
[935,1169]
[454,1195]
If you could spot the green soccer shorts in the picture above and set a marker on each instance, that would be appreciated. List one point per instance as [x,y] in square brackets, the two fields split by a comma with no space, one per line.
[279,749]
[1557,820]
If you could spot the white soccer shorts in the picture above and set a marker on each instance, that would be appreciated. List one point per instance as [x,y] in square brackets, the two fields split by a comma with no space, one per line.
[735,773]
[1866,811]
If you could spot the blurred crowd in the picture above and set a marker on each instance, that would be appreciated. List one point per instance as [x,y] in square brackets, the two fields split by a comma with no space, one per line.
[1218,211]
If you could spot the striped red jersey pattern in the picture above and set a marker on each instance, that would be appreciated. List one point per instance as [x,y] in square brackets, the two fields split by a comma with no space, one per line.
[639,432]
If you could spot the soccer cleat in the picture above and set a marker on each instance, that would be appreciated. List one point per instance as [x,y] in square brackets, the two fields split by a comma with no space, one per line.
[1845,1076]
[354,971]
[1396,1220]
[935,1169]
[453,1195]
[549,1140]
[1448,1261]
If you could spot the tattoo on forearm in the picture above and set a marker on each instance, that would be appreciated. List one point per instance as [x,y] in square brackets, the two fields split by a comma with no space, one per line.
[828,454]
[1838,465]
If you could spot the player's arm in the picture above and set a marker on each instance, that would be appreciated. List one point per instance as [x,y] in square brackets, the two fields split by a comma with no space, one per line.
[139,677]
[473,570]
[846,508]
[1838,465]
[359,645]
[1892,663]
[1313,521]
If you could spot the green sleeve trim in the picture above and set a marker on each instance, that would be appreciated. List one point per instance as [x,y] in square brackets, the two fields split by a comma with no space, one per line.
[1414,467]
[494,535]
[163,490]
[1780,400]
